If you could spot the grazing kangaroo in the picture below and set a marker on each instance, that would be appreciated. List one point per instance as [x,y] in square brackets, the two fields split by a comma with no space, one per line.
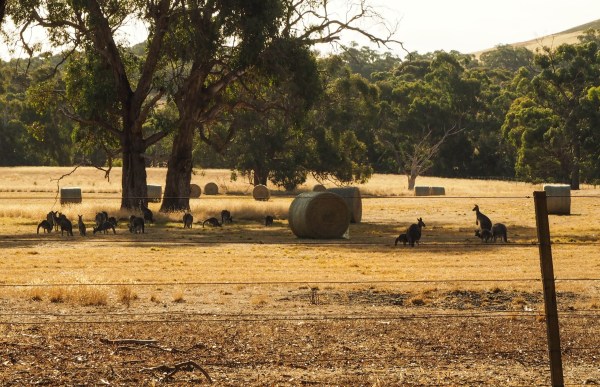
[112,220]
[401,238]
[499,230]
[269,220]
[483,221]
[46,225]
[65,225]
[484,234]
[226,217]
[148,216]
[212,221]
[81,225]
[188,219]
[136,224]
[105,227]
[413,232]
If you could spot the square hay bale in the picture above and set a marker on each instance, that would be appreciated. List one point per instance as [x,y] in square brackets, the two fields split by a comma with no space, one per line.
[154,193]
[429,191]
[558,199]
[421,190]
[70,195]
[437,191]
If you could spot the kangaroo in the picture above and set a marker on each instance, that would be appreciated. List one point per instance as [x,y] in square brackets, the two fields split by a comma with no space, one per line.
[55,219]
[188,219]
[483,221]
[50,219]
[401,238]
[269,220]
[484,234]
[46,225]
[148,216]
[226,217]
[136,224]
[65,225]
[105,227]
[81,225]
[413,232]
[100,218]
[212,221]
[112,220]
[499,230]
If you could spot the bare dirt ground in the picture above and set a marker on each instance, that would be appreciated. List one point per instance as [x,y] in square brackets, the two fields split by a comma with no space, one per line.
[253,306]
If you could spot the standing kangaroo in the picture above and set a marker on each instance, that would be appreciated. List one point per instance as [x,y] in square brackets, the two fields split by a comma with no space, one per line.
[413,232]
[269,220]
[136,224]
[148,216]
[483,221]
[81,225]
[188,219]
[226,217]
[65,225]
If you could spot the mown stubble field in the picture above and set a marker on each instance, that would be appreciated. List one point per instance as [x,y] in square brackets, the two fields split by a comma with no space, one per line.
[254,305]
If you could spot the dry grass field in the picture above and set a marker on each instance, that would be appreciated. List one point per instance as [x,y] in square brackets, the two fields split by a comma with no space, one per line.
[254,305]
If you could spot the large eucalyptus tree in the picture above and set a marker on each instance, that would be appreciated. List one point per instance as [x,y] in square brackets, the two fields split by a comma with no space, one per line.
[93,27]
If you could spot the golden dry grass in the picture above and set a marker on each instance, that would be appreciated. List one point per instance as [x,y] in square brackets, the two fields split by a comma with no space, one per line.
[245,269]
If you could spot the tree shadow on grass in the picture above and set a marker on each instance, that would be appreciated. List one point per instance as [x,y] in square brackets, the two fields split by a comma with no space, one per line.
[364,236]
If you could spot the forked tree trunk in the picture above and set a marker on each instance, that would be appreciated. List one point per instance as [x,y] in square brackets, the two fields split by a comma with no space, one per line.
[179,172]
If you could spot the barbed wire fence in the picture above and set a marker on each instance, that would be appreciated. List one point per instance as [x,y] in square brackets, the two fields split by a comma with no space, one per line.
[303,361]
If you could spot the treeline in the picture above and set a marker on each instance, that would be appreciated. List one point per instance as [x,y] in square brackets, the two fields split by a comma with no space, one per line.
[511,113]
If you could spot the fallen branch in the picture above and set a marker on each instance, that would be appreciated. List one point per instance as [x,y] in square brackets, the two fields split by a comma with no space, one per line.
[183,366]
[128,341]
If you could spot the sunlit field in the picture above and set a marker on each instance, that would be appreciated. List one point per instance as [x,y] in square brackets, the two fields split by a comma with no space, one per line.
[255,305]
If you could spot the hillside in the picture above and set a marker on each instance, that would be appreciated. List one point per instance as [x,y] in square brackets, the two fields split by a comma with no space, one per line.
[553,40]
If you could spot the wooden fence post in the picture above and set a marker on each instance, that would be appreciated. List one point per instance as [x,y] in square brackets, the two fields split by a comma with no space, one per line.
[550,308]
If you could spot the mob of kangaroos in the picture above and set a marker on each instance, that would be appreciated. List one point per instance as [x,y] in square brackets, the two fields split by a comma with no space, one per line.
[488,231]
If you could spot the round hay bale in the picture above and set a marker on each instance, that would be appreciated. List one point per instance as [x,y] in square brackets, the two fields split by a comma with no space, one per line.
[558,199]
[154,193]
[70,195]
[319,215]
[195,191]
[211,189]
[319,188]
[261,192]
[352,197]
[437,191]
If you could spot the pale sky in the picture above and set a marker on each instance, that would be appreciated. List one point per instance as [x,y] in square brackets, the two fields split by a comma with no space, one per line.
[472,25]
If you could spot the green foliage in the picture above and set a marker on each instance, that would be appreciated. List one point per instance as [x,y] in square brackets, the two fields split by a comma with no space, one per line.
[507,57]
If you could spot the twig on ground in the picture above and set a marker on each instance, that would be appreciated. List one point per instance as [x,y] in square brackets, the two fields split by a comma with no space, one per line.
[183,366]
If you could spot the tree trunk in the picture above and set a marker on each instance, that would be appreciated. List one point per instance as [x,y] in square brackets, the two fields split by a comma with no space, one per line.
[411,181]
[179,171]
[260,176]
[575,173]
[412,178]
[134,189]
